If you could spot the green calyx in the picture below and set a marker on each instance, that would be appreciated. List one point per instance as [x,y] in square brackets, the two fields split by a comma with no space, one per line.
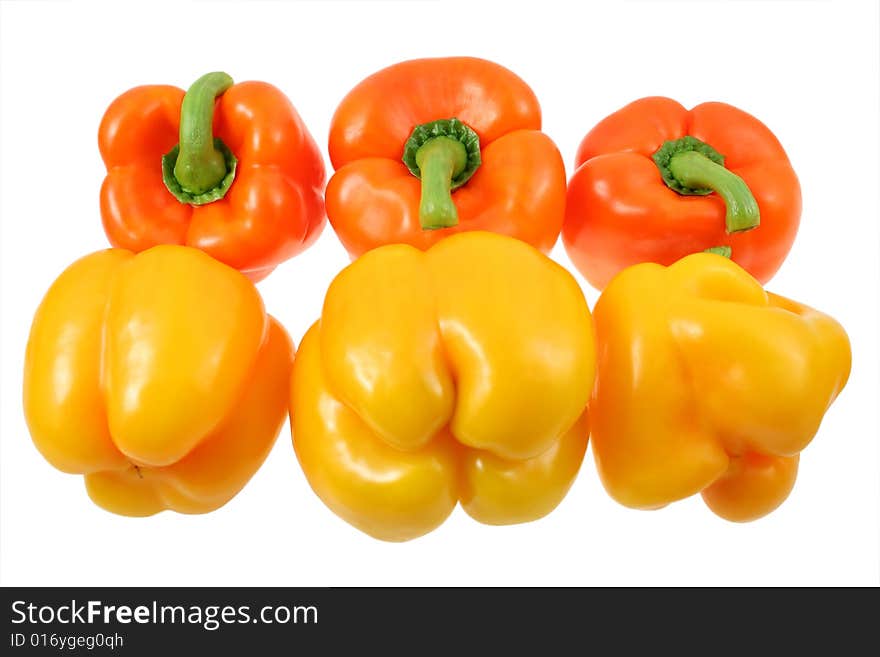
[688,144]
[443,154]
[200,168]
[213,193]
[692,167]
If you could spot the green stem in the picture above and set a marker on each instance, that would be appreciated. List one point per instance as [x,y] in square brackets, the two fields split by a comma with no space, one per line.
[440,160]
[694,170]
[692,167]
[725,251]
[200,166]
[444,154]
[200,169]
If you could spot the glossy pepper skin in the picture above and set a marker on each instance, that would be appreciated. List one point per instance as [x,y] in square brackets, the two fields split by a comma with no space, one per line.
[620,211]
[708,384]
[457,374]
[274,207]
[158,376]
[517,188]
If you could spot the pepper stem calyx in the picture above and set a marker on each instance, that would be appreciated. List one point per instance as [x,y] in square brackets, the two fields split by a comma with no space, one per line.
[200,168]
[443,154]
[692,167]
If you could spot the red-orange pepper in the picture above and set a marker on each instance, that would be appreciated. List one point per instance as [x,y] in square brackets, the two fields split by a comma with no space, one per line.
[250,197]
[656,182]
[431,147]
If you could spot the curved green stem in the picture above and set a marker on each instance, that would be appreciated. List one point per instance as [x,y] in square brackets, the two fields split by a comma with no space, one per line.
[690,166]
[199,165]
[200,169]
[694,170]
[440,160]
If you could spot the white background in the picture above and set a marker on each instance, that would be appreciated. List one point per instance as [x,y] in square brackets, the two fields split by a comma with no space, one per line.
[809,70]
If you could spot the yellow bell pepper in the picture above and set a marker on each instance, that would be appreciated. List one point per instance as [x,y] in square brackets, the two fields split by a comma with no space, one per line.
[708,384]
[158,376]
[457,374]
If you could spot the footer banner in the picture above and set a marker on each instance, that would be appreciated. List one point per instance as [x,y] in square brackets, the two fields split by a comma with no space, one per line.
[331,621]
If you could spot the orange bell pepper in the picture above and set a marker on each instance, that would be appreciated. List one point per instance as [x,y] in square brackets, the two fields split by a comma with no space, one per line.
[461,373]
[158,376]
[251,197]
[708,384]
[656,182]
[430,147]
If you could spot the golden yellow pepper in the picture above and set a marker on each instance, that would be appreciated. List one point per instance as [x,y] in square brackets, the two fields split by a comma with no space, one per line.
[457,374]
[708,384]
[158,376]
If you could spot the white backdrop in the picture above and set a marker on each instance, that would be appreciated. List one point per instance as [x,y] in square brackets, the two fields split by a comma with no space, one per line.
[809,70]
